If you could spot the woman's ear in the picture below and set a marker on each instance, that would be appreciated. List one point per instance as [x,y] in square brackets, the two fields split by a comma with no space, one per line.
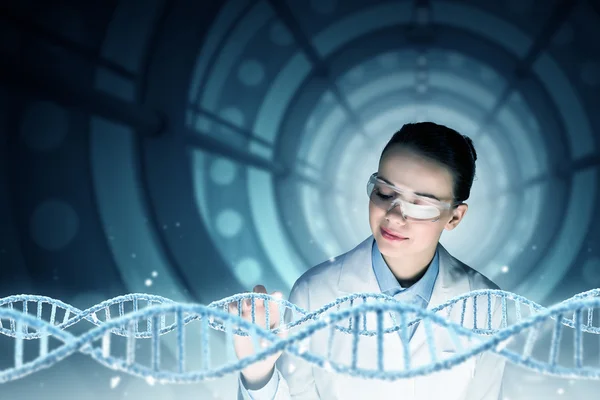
[457,215]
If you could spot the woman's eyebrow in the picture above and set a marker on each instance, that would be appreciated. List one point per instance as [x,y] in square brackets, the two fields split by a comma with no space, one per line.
[431,196]
[428,195]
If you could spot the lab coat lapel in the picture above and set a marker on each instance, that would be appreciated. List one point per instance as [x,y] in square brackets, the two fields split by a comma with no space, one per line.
[357,276]
[450,283]
[356,273]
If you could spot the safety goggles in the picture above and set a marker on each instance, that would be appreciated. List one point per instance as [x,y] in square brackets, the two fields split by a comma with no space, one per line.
[412,206]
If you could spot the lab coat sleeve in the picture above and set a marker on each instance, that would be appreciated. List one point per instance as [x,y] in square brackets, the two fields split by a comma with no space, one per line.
[489,371]
[265,393]
[294,375]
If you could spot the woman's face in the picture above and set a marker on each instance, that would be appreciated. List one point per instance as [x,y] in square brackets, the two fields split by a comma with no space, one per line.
[406,169]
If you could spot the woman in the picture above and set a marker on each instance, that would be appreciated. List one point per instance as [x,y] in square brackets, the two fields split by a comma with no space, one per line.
[425,175]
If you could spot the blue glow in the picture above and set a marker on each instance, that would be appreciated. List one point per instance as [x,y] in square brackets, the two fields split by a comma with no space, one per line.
[262,196]
[281,91]
[568,104]
[482,24]
[230,54]
[222,24]
[359,24]
[577,221]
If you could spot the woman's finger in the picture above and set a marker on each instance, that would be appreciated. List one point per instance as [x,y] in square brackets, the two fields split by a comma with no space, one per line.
[246,306]
[245,303]
[274,309]
[260,289]
[259,303]
[232,307]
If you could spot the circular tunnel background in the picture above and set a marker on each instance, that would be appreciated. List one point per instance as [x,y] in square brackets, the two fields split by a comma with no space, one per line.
[275,114]
[290,106]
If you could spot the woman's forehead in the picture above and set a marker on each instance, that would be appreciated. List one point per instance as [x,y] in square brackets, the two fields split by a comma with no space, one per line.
[407,170]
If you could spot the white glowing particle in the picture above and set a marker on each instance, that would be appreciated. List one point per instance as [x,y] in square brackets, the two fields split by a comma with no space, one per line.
[303,348]
[332,259]
[560,391]
[150,380]
[284,329]
[154,274]
[114,382]
[148,282]
[500,346]
[504,269]
[291,368]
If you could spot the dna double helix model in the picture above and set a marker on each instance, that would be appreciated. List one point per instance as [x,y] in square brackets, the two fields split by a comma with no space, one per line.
[126,333]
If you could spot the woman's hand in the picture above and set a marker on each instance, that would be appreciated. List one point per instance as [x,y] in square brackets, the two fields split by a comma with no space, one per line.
[259,373]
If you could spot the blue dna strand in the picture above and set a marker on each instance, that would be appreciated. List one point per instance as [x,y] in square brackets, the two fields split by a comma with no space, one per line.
[115,341]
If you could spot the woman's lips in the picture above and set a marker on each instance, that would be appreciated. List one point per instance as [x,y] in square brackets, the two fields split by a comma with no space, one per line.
[390,235]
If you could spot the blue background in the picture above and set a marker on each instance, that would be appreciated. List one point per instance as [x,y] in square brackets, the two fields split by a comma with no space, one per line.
[193,149]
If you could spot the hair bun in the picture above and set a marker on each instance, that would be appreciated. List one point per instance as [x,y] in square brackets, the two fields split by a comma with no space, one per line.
[471,147]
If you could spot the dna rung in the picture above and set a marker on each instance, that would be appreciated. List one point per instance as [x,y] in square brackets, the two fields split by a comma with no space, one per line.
[496,343]
[113,340]
[101,312]
[64,316]
[99,342]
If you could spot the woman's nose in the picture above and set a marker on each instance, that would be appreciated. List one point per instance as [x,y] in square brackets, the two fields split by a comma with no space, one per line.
[395,211]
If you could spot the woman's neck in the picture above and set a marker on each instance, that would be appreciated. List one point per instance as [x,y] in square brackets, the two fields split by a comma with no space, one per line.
[410,269]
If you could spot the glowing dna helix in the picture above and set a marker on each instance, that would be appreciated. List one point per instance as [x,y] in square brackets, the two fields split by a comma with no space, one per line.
[214,318]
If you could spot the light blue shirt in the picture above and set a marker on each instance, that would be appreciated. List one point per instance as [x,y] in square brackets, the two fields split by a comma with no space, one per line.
[419,294]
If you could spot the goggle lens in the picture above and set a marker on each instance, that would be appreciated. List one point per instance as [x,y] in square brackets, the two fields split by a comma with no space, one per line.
[413,208]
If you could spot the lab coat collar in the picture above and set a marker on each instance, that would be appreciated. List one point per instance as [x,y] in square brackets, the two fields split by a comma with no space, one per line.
[357,276]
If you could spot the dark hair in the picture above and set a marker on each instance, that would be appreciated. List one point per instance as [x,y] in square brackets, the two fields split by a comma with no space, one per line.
[444,145]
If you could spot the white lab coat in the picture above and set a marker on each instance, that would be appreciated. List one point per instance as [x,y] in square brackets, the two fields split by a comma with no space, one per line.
[478,378]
